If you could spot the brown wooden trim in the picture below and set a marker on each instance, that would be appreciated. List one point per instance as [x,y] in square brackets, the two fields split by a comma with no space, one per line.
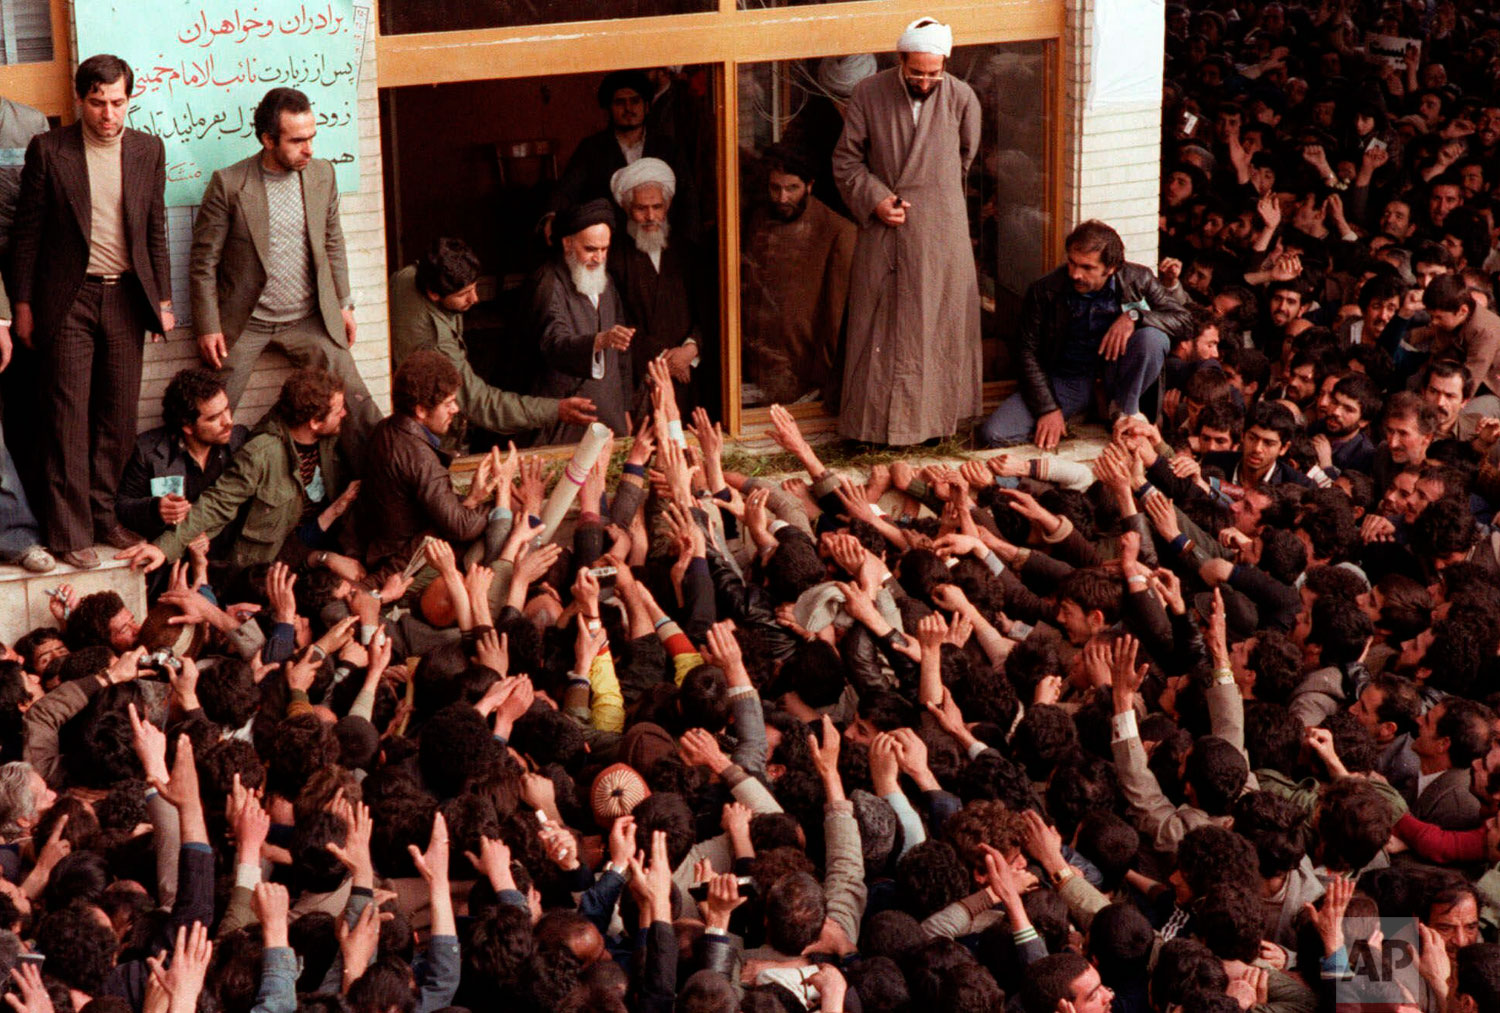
[727,95]
[784,33]
[46,86]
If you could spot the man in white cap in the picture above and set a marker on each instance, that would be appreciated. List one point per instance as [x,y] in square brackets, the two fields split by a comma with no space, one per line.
[656,273]
[912,361]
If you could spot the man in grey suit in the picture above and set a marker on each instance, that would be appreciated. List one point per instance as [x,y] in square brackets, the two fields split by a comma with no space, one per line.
[268,263]
[1450,737]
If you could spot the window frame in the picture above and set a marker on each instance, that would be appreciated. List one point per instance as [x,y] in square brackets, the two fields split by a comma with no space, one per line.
[725,39]
[46,85]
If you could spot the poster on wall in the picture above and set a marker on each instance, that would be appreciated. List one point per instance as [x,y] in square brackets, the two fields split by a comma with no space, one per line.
[1127,55]
[201,66]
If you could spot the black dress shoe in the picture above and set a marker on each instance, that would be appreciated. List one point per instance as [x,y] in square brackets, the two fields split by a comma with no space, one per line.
[116,536]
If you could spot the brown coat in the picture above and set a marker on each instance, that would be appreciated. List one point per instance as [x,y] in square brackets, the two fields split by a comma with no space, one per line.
[1476,344]
[232,239]
[406,495]
[54,219]
[912,366]
[796,282]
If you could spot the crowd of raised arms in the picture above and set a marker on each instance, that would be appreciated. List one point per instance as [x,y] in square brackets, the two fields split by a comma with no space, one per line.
[1208,724]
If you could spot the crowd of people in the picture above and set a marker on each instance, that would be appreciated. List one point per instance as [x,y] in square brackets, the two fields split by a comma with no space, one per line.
[1205,725]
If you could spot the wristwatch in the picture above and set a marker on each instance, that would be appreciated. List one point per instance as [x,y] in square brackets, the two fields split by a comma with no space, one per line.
[1061,876]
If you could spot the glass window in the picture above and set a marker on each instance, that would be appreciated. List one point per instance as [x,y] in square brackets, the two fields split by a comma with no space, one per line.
[454,168]
[402,17]
[794,278]
[25,31]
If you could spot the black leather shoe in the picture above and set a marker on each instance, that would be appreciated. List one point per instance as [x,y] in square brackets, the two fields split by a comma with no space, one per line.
[117,536]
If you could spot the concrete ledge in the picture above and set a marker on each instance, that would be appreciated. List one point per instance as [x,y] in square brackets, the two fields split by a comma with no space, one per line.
[23,598]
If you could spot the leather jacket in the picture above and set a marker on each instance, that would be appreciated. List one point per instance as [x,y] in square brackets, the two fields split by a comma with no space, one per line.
[1044,325]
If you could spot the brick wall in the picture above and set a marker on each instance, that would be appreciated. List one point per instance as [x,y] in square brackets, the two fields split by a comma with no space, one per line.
[1112,156]
[363,218]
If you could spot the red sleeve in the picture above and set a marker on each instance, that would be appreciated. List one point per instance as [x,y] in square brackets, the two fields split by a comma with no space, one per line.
[1438,845]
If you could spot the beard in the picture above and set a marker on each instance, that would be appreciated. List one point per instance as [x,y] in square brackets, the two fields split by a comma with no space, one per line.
[588,281]
[649,241]
[790,212]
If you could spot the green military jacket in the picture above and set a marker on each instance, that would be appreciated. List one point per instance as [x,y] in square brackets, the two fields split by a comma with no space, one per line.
[417,322]
[264,484]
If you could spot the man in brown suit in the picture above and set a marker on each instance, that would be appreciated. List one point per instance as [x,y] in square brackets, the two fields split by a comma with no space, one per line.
[268,264]
[1465,332]
[91,276]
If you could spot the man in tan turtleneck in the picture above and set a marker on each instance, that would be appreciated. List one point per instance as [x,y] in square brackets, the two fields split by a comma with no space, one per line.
[91,279]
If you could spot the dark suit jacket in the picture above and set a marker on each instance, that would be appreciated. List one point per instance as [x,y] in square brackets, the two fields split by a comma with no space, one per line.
[596,160]
[232,239]
[1044,325]
[54,217]
[159,453]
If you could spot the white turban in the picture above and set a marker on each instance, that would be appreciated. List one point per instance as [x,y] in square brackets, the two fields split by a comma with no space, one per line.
[925,35]
[643,170]
[839,74]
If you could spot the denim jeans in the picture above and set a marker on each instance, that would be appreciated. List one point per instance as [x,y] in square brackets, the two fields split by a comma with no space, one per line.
[18,527]
[1125,380]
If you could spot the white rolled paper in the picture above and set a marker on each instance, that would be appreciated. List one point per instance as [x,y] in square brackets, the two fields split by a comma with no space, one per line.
[566,490]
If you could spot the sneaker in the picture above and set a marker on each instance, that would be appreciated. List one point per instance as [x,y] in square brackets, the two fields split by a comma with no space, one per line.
[37,560]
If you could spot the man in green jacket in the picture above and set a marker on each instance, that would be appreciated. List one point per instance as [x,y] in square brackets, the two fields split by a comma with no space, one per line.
[287,481]
[428,300]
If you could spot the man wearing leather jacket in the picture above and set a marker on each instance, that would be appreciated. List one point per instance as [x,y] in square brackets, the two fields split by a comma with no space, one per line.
[1096,319]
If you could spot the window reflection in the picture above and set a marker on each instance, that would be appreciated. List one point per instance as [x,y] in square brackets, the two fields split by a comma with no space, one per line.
[797,238]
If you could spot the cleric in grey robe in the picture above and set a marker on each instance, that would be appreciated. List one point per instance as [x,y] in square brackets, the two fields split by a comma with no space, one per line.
[912,363]
[579,323]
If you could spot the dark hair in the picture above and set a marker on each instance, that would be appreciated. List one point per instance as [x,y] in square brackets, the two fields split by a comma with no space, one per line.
[789,160]
[272,105]
[95,72]
[1110,842]
[1184,966]
[306,395]
[1050,980]
[1043,739]
[1479,974]
[1210,856]
[88,626]
[456,744]
[1273,826]
[425,380]
[1277,418]
[1094,236]
[795,909]
[1379,288]
[80,951]
[1092,590]
[1283,555]
[1365,391]
[1230,920]
[188,390]
[929,877]
[1466,726]
[1442,529]
[1217,773]
[1448,293]
[1341,628]
[447,266]
[1405,404]
[1400,704]
[1222,415]
[1120,940]
[1352,823]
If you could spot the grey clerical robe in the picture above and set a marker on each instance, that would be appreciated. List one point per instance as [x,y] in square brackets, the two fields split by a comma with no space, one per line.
[912,365]
[795,280]
[565,323]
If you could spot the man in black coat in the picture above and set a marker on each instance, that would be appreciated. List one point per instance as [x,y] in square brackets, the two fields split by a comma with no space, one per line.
[1095,319]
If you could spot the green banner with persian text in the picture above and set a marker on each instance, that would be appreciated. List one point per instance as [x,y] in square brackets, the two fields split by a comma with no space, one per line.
[201,66]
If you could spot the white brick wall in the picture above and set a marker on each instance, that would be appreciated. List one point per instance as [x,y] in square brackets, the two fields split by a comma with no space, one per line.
[1111,158]
[363,217]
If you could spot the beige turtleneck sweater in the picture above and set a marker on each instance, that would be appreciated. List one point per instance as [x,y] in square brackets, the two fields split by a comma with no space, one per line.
[108,251]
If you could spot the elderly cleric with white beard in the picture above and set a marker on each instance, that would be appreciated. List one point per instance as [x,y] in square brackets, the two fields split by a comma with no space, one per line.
[657,272]
[579,323]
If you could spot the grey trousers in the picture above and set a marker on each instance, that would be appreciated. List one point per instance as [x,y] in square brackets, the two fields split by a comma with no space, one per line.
[307,343]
